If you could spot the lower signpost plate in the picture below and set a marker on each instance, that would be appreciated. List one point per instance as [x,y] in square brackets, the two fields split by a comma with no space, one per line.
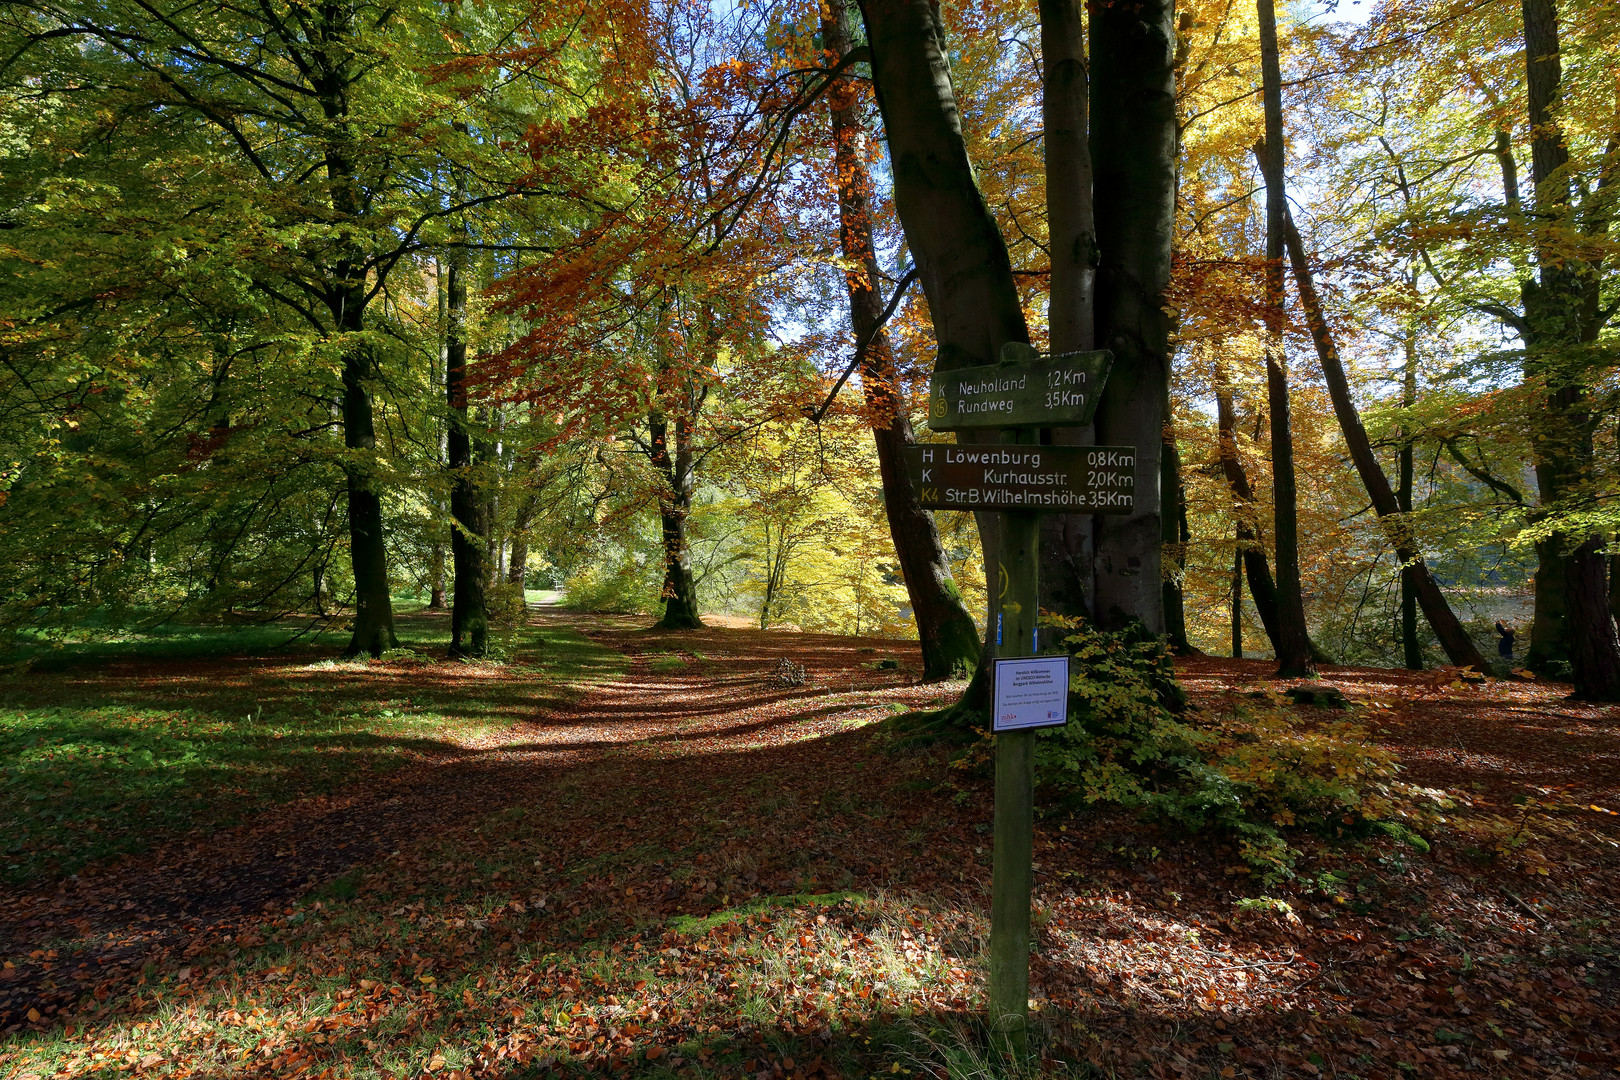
[1042,479]
[1031,692]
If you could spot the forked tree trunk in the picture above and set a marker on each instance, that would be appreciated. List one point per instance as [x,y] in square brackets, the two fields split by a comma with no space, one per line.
[961,256]
[469,510]
[1133,157]
[1293,641]
[1251,549]
[945,629]
[1066,539]
[1459,647]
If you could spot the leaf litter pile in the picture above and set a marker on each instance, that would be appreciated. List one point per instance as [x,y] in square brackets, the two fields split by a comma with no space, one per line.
[687,864]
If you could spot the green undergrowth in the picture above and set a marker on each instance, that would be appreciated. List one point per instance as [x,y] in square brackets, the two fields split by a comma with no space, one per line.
[1256,772]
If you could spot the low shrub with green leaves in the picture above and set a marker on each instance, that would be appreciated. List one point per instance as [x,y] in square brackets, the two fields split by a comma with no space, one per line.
[1251,772]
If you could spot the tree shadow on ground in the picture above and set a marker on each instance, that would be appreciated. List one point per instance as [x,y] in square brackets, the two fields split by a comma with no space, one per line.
[767,906]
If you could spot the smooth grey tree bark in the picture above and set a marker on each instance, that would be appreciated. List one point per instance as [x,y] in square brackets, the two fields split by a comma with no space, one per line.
[1133,155]
[1066,539]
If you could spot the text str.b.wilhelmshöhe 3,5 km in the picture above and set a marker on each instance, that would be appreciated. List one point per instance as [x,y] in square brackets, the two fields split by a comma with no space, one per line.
[1051,479]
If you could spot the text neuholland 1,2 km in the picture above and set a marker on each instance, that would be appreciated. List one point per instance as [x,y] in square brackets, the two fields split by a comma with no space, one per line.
[1075,479]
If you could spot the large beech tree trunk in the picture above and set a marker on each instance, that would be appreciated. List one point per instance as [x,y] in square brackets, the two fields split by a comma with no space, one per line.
[1133,158]
[469,511]
[1560,315]
[1292,640]
[1066,539]
[1459,647]
[961,256]
[373,607]
[945,629]
[674,506]
[962,259]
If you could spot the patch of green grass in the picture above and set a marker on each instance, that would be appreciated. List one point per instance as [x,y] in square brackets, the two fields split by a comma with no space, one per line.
[92,769]
[95,644]
[567,656]
[694,925]
[84,782]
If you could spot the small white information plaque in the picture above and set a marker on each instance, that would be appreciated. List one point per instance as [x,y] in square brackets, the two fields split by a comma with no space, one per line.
[1031,692]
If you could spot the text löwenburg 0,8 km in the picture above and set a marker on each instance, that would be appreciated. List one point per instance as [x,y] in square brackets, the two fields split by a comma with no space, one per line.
[1056,479]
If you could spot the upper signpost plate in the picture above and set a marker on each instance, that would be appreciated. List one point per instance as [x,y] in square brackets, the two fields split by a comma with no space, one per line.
[1041,391]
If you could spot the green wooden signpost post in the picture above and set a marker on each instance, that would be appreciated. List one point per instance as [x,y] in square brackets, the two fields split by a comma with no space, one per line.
[1021,480]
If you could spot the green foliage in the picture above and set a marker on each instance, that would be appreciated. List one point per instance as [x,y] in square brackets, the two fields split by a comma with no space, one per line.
[629,587]
[1250,773]
[506,606]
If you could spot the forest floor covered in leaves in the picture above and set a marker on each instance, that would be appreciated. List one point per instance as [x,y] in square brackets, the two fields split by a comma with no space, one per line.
[651,854]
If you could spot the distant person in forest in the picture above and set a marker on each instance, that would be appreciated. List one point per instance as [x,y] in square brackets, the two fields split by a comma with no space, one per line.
[1504,644]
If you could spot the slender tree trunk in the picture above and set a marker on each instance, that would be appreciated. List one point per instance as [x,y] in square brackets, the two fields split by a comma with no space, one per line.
[1249,545]
[1177,535]
[1237,604]
[945,629]
[1067,570]
[1459,647]
[436,563]
[518,568]
[469,510]
[1293,641]
[488,452]
[1133,156]
[1411,648]
[961,256]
